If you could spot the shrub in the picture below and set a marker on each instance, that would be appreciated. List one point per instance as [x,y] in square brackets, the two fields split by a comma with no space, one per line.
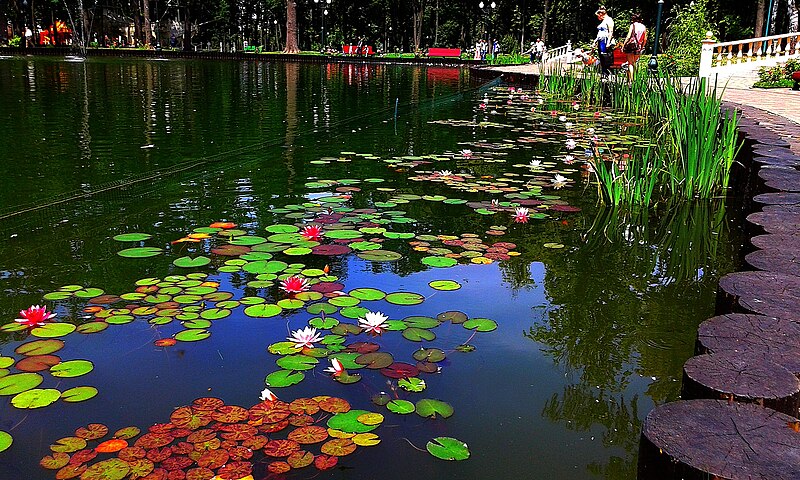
[15,41]
[685,33]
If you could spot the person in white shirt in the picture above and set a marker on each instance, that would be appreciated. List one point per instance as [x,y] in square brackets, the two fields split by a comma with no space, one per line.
[605,33]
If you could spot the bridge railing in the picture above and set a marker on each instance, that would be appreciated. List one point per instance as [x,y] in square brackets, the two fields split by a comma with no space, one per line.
[715,56]
[559,54]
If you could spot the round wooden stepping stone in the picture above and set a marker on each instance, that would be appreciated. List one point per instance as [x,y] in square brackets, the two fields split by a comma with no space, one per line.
[775,152]
[777,219]
[767,293]
[782,260]
[783,160]
[778,198]
[776,339]
[740,377]
[771,140]
[786,179]
[788,241]
[701,438]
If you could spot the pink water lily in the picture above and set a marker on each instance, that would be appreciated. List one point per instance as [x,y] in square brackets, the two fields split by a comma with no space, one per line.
[267,395]
[34,316]
[294,285]
[521,215]
[570,144]
[305,337]
[312,232]
[336,367]
[373,323]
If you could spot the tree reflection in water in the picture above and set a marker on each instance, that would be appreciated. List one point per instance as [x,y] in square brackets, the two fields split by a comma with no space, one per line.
[612,317]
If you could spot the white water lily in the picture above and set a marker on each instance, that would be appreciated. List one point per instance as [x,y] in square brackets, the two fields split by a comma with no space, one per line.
[304,337]
[590,131]
[562,118]
[336,367]
[521,215]
[569,159]
[267,395]
[535,164]
[559,181]
[570,144]
[495,203]
[466,153]
[444,173]
[373,322]
[568,125]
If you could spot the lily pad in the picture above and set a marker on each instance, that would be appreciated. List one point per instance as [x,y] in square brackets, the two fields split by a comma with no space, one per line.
[36,398]
[440,262]
[432,408]
[379,256]
[284,378]
[348,422]
[192,335]
[264,310]
[19,382]
[52,330]
[297,362]
[140,252]
[111,469]
[480,324]
[39,347]
[78,394]
[401,407]
[418,334]
[444,285]
[5,441]
[367,294]
[405,298]
[132,237]
[189,262]
[71,368]
[412,384]
[448,448]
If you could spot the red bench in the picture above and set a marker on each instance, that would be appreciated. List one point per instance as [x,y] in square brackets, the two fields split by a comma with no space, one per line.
[353,50]
[444,52]
[796,78]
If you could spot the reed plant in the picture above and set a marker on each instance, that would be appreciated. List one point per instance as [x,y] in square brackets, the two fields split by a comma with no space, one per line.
[696,140]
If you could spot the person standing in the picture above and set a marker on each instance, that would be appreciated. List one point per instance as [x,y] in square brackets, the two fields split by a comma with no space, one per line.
[634,43]
[540,49]
[605,32]
[477,54]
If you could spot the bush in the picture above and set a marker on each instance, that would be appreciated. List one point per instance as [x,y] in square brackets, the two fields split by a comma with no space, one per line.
[685,32]
[771,74]
[792,65]
[15,41]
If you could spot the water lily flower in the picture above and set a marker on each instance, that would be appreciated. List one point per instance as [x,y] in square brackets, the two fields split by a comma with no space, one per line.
[570,144]
[533,109]
[569,159]
[568,125]
[304,337]
[521,215]
[553,113]
[559,181]
[535,164]
[576,106]
[267,395]
[294,285]
[443,174]
[495,204]
[312,232]
[34,316]
[509,102]
[590,131]
[373,323]
[597,115]
[512,89]
[336,367]
[482,106]
[540,101]
[466,153]
[562,118]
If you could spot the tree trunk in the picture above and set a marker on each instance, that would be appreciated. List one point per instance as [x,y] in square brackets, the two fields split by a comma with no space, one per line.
[291,28]
[187,30]
[791,11]
[137,21]
[148,32]
[543,36]
[4,38]
[760,12]
[417,17]
[436,27]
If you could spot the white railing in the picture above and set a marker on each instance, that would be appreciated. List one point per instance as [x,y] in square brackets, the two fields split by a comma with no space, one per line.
[715,56]
[559,54]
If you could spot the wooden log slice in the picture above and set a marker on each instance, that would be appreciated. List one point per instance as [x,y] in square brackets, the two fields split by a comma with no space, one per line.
[781,260]
[781,161]
[776,339]
[777,220]
[767,293]
[783,153]
[771,140]
[777,240]
[778,198]
[696,439]
[741,377]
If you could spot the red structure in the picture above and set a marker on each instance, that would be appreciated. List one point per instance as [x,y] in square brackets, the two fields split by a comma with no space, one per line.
[61,36]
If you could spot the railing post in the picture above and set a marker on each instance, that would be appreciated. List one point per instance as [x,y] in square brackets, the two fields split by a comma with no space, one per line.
[569,52]
[707,55]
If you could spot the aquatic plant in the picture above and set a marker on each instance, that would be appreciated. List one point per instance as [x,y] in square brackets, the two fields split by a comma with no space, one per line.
[294,284]
[521,215]
[305,337]
[312,232]
[373,323]
[34,316]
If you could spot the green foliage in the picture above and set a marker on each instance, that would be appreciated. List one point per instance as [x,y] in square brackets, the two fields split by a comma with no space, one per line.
[771,74]
[778,76]
[509,44]
[684,34]
[15,41]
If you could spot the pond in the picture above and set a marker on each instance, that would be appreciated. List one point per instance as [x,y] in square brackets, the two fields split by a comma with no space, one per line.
[184,218]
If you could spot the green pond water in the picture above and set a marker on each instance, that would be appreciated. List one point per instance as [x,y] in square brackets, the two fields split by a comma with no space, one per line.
[578,320]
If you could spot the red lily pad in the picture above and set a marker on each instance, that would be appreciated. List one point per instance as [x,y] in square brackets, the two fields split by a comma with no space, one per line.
[83,456]
[304,406]
[130,454]
[37,363]
[159,454]
[308,435]
[238,431]
[176,462]
[326,287]
[331,250]
[338,447]
[70,471]
[154,440]
[278,467]
[228,250]
[334,405]
[269,412]
[300,459]
[325,462]
[111,446]
[281,448]
[111,469]
[230,414]
[207,403]
[235,470]
[213,459]
[40,347]
[400,370]
[93,431]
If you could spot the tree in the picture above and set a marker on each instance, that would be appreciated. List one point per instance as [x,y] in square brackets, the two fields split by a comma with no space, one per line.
[291,28]
[760,12]
[792,13]
[417,15]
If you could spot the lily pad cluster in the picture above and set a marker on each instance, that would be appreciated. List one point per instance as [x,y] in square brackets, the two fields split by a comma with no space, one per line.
[209,439]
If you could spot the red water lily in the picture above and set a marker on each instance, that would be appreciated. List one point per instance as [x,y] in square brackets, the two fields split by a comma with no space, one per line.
[35,315]
[521,215]
[294,285]
[312,232]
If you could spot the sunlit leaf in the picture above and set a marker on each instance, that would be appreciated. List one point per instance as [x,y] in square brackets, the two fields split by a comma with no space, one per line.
[432,408]
[448,448]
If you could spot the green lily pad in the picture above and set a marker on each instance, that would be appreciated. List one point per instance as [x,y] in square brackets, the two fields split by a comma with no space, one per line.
[264,310]
[132,237]
[348,360]
[319,308]
[192,335]
[323,323]
[401,407]
[6,362]
[189,262]
[348,422]
[5,441]
[215,313]
[91,327]
[140,252]
[405,298]
[282,228]
[53,330]
[71,368]
[265,266]
[553,245]
[379,256]
[111,469]
[421,322]
[439,262]
[39,347]
[398,235]
[353,312]
[412,384]
[452,316]
[432,408]
[88,292]
[297,362]
[444,285]
[36,398]
[418,334]
[347,378]
[367,294]
[19,382]
[480,324]
[283,348]
[448,448]
[78,394]
[344,301]
[284,378]
[429,355]
[248,240]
